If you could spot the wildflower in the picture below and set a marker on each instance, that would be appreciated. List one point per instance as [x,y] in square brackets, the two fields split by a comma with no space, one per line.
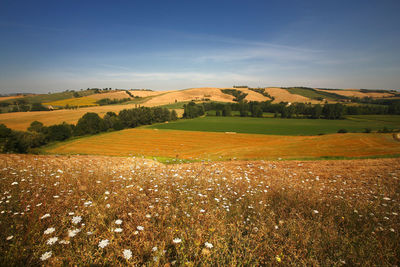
[46,255]
[208,245]
[118,230]
[154,249]
[89,233]
[140,228]
[72,233]
[127,254]
[148,216]
[177,240]
[49,230]
[76,219]
[52,240]
[88,203]
[64,242]
[45,216]
[14,183]
[202,211]
[278,259]
[136,232]
[103,243]
[315,211]
[10,237]
[118,221]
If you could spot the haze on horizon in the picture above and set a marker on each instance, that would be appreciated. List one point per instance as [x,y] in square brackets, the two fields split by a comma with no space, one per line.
[58,45]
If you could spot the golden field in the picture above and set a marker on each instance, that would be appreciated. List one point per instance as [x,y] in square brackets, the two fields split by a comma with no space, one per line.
[215,146]
[88,100]
[282,95]
[90,210]
[22,120]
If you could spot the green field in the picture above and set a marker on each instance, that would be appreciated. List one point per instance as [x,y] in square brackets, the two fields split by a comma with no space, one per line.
[277,126]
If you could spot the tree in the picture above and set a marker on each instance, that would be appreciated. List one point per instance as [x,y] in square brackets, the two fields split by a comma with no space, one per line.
[90,123]
[112,121]
[38,107]
[36,126]
[227,112]
[174,116]
[59,132]
[316,112]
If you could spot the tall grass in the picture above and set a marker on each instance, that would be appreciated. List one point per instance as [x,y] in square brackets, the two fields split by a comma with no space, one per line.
[220,214]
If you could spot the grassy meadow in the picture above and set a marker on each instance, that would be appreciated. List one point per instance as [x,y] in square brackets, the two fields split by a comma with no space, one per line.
[195,146]
[277,126]
[85,210]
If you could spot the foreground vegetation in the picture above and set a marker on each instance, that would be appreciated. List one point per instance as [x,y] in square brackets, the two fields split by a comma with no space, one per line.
[114,211]
[278,126]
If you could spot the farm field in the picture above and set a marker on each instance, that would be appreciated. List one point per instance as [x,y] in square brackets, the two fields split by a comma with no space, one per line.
[91,210]
[88,100]
[22,120]
[168,145]
[277,126]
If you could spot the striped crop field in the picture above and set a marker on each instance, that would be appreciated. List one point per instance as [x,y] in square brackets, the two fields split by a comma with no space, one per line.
[223,146]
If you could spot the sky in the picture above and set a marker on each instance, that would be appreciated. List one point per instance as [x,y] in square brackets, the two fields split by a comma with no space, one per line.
[49,46]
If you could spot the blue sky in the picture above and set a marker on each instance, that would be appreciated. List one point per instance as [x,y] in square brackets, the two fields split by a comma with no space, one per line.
[57,45]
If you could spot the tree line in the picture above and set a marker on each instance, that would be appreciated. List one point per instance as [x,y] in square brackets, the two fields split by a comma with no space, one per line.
[294,110]
[89,124]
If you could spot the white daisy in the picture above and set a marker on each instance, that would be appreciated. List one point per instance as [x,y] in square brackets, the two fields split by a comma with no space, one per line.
[177,240]
[208,245]
[76,219]
[103,243]
[46,255]
[127,254]
[49,231]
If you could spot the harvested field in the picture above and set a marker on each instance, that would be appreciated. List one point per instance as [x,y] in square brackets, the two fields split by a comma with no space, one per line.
[216,146]
[253,96]
[110,95]
[4,98]
[88,100]
[357,93]
[84,210]
[146,93]
[214,94]
[22,120]
[282,95]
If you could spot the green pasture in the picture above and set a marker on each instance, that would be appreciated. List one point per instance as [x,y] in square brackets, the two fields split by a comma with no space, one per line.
[278,126]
